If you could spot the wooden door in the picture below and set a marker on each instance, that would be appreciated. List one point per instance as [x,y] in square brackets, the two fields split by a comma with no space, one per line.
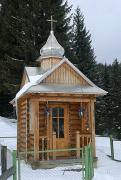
[59,124]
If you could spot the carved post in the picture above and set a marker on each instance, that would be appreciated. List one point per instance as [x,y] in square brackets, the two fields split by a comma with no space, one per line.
[78,144]
[54,145]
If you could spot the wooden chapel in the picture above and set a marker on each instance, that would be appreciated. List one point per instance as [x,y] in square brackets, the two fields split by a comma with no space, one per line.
[55,105]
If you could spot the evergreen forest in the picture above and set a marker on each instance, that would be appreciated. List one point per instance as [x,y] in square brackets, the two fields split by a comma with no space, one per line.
[24,30]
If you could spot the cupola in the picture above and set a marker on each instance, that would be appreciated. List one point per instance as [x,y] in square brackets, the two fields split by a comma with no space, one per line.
[52,52]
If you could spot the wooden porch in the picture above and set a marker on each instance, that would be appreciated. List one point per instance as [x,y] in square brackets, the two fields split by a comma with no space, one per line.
[36,133]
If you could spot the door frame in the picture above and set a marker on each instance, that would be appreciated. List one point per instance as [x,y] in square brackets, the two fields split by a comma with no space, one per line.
[66,124]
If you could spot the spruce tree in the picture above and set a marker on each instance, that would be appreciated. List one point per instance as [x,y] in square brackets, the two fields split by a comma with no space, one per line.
[83,53]
[104,104]
[116,99]
[24,30]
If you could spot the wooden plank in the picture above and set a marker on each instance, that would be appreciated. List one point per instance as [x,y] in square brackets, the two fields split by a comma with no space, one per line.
[77,143]
[7,174]
[59,97]
[54,145]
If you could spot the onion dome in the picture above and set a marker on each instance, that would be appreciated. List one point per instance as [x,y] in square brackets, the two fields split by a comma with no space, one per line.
[52,48]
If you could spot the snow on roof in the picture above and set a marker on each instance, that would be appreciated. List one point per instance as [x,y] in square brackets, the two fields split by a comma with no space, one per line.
[36,79]
[33,82]
[33,71]
[8,128]
[57,88]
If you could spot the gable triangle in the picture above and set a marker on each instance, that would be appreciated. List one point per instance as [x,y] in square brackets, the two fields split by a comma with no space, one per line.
[66,75]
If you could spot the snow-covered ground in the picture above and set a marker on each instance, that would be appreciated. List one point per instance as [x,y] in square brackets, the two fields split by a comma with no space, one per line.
[8,128]
[106,168]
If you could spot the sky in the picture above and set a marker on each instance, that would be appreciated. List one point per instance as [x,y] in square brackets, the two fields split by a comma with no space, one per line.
[103,20]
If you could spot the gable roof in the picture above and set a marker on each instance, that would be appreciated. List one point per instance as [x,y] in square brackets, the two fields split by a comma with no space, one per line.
[36,86]
[59,88]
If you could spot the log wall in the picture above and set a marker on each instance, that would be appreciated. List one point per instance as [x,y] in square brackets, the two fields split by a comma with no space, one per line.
[22,119]
[42,123]
[76,123]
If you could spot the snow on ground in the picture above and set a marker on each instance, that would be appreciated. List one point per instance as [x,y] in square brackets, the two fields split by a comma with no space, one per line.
[8,128]
[106,168]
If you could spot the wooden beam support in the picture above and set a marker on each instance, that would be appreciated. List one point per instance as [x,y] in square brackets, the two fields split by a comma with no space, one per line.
[92,116]
[78,144]
[54,145]
[61,99]
[35,107]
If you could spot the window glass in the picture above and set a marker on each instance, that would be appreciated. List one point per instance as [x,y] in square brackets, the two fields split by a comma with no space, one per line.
[61,112]
[55,112]
[58,121]
[61,128]
[55,126]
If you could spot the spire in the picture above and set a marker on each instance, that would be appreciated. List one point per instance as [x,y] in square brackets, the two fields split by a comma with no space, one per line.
[52,48]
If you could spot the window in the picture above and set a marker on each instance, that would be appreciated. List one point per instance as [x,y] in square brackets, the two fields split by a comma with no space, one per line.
[58,121]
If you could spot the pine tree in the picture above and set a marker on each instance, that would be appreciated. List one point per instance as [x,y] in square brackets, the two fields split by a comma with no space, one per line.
[104,104]
[24,30]
[83,53]
[116,98]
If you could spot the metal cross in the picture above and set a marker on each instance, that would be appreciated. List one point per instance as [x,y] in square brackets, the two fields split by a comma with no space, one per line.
[52,21]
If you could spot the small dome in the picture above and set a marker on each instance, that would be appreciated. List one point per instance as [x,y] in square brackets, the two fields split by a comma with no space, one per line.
[52,48]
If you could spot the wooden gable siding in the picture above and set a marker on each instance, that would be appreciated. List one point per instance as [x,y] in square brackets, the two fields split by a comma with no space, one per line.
[65,75]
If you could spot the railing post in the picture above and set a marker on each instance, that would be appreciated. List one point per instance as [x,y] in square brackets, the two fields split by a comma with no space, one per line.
[78,144]
[91,160]
[14,164]
[86,164]
[83,163]
[19,168]
[112,148]
[3,159]
[42,148]
[47,149]
[54,145]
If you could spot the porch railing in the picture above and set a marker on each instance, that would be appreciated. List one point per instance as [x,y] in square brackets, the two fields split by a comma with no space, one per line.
[86,161]
[82,140]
